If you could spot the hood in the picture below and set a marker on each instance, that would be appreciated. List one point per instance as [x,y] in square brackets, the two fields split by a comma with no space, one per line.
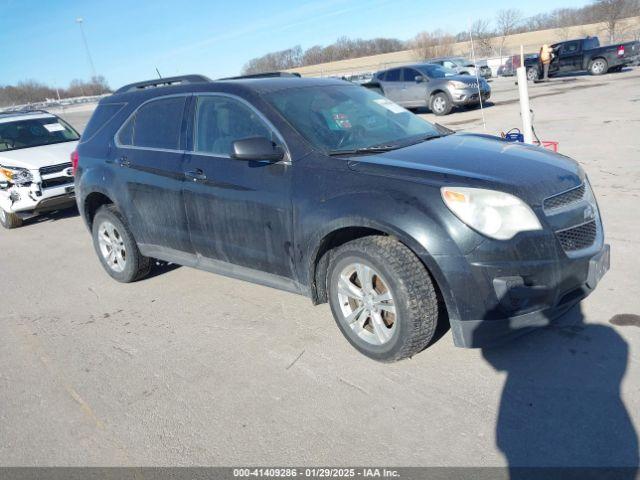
[467,79]
[529,172]
[34,158]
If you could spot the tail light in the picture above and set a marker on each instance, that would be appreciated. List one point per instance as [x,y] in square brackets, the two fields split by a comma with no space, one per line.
[75,158]
[621,51]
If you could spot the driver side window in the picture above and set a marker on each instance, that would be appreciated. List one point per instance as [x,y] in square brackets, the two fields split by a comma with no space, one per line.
[220,121]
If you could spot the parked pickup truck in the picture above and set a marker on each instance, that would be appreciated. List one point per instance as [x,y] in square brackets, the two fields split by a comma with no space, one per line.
[586,54]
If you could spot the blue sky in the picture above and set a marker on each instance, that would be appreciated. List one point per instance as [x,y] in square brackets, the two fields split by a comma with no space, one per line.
[128,39]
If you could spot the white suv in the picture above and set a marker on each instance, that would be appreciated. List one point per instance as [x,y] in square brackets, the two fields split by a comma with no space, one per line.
[36,174]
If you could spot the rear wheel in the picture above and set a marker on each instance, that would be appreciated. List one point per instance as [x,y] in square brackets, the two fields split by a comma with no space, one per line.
[598,66]
[441,104]
[116,247]
[382,298]
[9,220]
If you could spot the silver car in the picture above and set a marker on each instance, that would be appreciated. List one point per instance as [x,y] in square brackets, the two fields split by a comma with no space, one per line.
[431,86]
[462,66]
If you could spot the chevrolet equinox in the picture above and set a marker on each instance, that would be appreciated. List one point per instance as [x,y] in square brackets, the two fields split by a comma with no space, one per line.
[329,190]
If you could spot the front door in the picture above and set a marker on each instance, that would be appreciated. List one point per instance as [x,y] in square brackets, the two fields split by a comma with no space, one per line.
[414,93]
[149,162]
[239,212]
[569,58]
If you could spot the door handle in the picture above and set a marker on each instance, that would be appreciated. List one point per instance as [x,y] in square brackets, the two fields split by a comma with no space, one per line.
[124,161]
[195,175]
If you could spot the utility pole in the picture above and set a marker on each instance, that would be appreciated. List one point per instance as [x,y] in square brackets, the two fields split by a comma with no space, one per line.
[80,21]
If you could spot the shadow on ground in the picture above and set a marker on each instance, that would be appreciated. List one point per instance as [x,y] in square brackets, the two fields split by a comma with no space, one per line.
[52,216]
[561,403]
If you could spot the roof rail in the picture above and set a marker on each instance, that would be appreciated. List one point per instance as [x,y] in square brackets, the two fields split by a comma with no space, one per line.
[163,82]
[263,75]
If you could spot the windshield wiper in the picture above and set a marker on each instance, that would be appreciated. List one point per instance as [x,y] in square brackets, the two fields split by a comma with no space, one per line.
[387,147]
[365,150]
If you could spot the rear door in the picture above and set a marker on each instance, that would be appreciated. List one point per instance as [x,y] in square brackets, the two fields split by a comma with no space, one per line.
[149,158]
[392,85]
[239,211]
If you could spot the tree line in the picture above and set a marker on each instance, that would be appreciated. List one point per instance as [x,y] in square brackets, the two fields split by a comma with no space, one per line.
[490,36]
[32,91]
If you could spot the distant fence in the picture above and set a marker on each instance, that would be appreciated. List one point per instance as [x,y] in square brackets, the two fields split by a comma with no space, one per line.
[50,103]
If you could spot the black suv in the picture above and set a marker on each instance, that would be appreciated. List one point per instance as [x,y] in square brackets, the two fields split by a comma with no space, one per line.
[329,190]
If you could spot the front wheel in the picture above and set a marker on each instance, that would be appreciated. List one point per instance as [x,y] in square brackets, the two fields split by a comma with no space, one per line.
[441,104]
[533,74]
[382,298]
[116,248]
[9,220]
[598,66]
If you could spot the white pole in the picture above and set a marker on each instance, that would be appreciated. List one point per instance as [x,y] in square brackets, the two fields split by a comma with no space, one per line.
[473,55]
[525,108]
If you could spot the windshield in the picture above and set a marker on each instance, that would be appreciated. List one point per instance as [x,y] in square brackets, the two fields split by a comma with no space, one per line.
[436,71]
[35,132]
[463,62]
[347,118]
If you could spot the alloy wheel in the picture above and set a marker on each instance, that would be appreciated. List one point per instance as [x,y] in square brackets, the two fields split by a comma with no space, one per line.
[112,247]
[439,104]
[598,66]
[367,304]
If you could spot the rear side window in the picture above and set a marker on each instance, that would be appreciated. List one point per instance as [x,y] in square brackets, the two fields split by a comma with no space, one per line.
[156,124]
[393,75]
[101,116]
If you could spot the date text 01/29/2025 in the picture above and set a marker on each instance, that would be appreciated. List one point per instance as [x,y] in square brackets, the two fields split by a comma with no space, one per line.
[316,472]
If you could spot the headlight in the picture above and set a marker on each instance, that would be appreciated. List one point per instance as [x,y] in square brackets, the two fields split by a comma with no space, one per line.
[459,85]
[495,214]
[16,175]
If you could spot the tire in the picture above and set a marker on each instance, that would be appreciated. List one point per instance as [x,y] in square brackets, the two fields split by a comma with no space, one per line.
[440,104]
[533,74]
[9,220]
[116,248]
[598,66]
[400,324]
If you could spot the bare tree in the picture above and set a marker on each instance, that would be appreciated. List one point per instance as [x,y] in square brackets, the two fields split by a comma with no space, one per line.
[611,12]
[482,37]
[32,91]
[341,49]
[507,21]
[432,44]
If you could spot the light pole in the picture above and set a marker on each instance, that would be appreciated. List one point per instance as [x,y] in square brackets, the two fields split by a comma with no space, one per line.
[80,21]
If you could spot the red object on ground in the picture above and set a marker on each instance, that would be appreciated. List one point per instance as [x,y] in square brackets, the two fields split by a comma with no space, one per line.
[551,145]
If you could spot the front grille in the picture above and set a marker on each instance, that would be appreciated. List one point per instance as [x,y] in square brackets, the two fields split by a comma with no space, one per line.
[57,182]
[577,238]
[54,168]
[565,198]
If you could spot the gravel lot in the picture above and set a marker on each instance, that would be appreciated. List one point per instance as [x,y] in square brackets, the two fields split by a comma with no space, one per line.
[190,368]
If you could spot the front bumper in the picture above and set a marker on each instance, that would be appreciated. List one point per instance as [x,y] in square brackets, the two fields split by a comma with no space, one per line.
[469,96]
[29,201]
[521,296]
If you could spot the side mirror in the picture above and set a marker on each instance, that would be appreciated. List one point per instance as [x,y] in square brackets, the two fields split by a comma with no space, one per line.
[419,78]
[256,148]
